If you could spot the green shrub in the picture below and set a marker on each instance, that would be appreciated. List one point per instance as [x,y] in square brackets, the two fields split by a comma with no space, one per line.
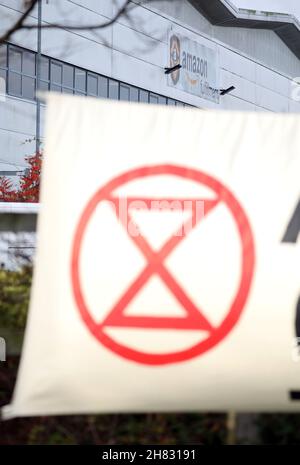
[14,297]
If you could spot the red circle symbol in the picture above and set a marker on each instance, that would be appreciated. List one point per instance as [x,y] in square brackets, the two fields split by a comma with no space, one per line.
[195,319]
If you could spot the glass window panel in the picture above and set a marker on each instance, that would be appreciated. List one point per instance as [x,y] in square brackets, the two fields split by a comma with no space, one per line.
[134,94]
[2,82]
[153,98]
[102,86]
[124,92]
[68,76]
[113,89]
[67,90]
[162,100]
[3,56]
[28,87]
[28,66]
[144,96]
[92,84]
[44,85]
[44,68]
[3,74]
[15,59]
[14,84]
[56,73]
[55,87]
[80,79]
[179,104]
[171,101]
[77,92]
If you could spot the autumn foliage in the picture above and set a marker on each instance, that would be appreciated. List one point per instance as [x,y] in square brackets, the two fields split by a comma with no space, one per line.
[6,189]
[29,185]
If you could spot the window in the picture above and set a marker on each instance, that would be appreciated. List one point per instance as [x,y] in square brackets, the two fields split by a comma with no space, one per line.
[153,98]
[67,79]
[3,56]
[15,59]
[66,90]
[18,67]
[15,84]
[56,76]
[80,81]
[44,74]
[134,94]
[55,88]
[113,90]
[28,65]
[162,100]
[171,101]
[144,96]
[44,69]
[28,87]
[92,84]
[44,86]
[21,72]
[3,68]
[56,73]
[2,76]
[102,86]
[124,92]
[68,76]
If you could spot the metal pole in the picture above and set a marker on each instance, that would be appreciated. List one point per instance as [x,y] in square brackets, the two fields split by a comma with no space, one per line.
[231,428]
[38,75]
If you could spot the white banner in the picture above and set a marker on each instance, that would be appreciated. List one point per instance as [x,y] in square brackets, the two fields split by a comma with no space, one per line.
[199,72]
[168,267]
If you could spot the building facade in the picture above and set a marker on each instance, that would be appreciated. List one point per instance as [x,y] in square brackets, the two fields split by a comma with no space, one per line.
[256,55]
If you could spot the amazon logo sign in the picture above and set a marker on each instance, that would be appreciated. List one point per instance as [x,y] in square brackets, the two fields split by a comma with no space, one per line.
[198,74]
[175,57]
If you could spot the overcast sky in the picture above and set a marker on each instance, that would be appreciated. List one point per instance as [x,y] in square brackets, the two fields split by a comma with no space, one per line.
[282,6]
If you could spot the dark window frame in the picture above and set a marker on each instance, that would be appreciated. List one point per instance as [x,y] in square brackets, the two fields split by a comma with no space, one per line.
[48,82]
[21,73]
[96,77]
[101,77]
[6,53]
[65,86]
[77,89]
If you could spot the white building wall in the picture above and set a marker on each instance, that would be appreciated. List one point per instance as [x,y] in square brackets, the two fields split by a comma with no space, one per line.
[17,131]
[262,45]
[136,50]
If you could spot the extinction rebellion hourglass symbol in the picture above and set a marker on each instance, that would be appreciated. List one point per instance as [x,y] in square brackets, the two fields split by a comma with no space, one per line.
[155,266]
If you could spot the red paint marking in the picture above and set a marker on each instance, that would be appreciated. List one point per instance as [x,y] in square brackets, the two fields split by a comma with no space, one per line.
[194,319]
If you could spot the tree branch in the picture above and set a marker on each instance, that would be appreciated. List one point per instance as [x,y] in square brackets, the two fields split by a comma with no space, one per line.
[31,4]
